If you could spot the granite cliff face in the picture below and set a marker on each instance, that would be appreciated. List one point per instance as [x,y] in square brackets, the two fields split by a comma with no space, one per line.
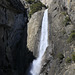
[14,55]
[19,39]
[34,26]
[46,2]
[61,26]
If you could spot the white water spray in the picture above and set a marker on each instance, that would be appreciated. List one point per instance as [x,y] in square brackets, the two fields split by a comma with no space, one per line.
[36,65]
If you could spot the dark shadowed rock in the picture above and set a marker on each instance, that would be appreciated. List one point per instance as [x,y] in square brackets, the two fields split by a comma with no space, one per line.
[14,55]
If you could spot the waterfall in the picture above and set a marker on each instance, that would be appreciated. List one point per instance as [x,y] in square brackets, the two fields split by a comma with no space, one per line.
[37,64]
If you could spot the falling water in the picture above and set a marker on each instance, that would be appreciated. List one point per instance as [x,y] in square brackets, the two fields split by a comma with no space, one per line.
[36,65]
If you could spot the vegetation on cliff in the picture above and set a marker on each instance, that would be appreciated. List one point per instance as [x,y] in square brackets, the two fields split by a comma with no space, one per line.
[71,37]
[60,56]
[30,1]
[35,6]
[73,56]
[68,60]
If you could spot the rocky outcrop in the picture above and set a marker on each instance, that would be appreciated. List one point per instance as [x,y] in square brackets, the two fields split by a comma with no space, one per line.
[34,27]
[14,55]
[46,2]
[70,70]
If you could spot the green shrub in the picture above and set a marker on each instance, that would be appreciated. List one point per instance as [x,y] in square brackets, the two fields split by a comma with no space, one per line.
[30,1]
[64,13]
[67,18]
[36,7]
[68,60]
[71,37]
[60,56]
[73,56]
[73,31]
[55,2]
[66,21]
[64,32]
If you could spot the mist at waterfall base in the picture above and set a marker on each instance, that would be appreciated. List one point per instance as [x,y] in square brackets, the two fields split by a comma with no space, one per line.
[36,65]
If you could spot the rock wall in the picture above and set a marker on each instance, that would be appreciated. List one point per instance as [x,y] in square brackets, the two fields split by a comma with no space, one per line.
[58,34]
[14,55]
[46,2]
[34,27]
